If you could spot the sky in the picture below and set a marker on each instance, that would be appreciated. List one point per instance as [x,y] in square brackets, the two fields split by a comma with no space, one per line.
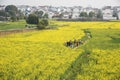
[84,3]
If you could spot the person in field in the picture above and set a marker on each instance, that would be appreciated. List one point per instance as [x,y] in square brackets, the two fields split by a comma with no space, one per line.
[71,44]
[75,41]
[77,44]
[80,42]
[68,43]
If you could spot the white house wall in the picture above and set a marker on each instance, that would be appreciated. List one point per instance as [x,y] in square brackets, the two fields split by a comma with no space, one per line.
[108,14]
[75,15]
[119,15]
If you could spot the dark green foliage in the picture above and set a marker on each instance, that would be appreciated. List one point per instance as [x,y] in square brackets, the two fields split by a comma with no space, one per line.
[2,18]
[86,31]
[70,16]
[91,14]
[11,8]
[13,18]
[45,16]
[83,14]
[99,14]
[12,11]
[115,15]
[39,13]
[61,15]
[3,13]
[42,24]
[45,22]
[32,19]
[20,14]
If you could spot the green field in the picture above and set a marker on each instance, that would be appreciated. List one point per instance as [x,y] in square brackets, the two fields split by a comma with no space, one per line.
[42,55]
[12,25]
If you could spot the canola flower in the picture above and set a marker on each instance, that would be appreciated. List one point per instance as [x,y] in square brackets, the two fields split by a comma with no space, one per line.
[41,55]
[38,54]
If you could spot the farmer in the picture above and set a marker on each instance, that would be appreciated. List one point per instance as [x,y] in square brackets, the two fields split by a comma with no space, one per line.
[71,43]
[80,42]
[67,43]
[75,42]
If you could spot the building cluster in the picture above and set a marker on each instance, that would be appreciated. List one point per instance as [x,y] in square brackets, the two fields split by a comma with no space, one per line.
[108,12]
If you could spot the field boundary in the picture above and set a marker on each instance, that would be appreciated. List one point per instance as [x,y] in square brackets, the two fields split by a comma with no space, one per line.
[14,31]
[76,66]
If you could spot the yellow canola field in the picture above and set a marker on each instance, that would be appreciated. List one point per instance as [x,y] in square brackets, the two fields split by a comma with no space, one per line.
[38,54]
[41,55]
[106,68]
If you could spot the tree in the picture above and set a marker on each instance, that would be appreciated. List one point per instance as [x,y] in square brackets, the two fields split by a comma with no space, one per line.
[99,14]
[45,16]
[45,22]
[91,14]
[11,8]
[20,14]
[115,15]
[70,16]
[39,13]
[32,19]
[12,11]
[61,15]
[42,24]
[83,14]
[13,18]
[2,13]
[2,18]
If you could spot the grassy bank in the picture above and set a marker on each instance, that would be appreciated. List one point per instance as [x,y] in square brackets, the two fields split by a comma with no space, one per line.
[12,25]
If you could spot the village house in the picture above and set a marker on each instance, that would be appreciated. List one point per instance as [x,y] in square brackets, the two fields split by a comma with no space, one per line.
[76,12]
[56,15]
[108,13]
[66,15]
[50,15]
[118,11]
[2,7]
[69,9]
[88,10]
[118,15]
[70,12]
[25,9]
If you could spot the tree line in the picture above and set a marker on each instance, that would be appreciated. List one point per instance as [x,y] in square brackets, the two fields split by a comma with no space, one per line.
[34,19]
[91,14]
[11,13]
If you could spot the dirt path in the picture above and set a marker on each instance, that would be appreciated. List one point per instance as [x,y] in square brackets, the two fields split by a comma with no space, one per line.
[8,32]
